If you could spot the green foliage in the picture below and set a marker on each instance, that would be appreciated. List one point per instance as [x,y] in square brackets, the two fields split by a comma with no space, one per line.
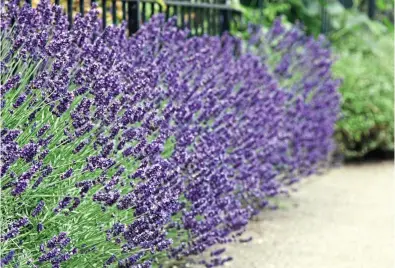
[306,11]
[309,12]
[366,52]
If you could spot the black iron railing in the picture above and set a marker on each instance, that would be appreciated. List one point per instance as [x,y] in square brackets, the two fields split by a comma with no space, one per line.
[201,17]
[211,17]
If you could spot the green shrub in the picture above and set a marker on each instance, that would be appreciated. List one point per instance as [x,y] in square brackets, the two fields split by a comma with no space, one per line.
[366,65]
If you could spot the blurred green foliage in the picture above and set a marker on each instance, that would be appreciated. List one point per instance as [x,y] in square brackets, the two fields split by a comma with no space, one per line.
[309,11]
[306,11]
[365,51]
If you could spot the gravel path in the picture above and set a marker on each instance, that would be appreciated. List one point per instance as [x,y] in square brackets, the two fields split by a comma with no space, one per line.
[343,219]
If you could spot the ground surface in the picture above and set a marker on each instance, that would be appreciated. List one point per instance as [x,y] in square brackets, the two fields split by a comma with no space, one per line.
[343,219]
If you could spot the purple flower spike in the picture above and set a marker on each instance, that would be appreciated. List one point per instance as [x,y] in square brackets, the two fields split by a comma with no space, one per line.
[38,208]
[4,261]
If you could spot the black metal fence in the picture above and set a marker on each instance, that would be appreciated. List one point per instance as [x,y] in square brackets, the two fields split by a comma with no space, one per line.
[211,17]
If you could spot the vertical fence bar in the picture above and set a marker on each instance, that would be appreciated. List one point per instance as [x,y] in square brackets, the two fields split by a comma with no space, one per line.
[123,10]
[29,2]
[189,19]
[152,9]
[211,21]
[224,21]
[207,17]
[133,16]
[114,12]
[70,12]
[82,6]
[195,21]
[182,11]
[260,8]
[324,19]
[56,2]
[216,20]
[143,11]
[201,20]
[175,13]
[371,8]
[104,13]
[167,12]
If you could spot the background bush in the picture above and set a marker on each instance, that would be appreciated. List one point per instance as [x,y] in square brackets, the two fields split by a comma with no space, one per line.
[365,63]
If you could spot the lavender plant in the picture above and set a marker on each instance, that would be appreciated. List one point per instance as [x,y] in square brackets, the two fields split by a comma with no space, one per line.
[129,152]
[302,65]
[65,99]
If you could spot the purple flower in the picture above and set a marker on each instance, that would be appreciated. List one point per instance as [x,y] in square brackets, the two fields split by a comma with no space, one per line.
[29,151]
[246,240]
[110,260]
[67,174]
[19,101]
[50,255]
[10,83]
[23,181]
[14,228]
[76,203]
[130,260]
[62,204]
[37,210]
[7,258]
[42,130]
[40,227]
[108,198]
[218,252]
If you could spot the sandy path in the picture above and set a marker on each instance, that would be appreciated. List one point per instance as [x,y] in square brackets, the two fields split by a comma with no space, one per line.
[344,219]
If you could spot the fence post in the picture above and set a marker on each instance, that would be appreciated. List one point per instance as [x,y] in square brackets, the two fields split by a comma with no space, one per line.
[324,19]
[104,14]
[82,7]
[260,8]
[225,21]
[371,8]
[133,16]
[70,12]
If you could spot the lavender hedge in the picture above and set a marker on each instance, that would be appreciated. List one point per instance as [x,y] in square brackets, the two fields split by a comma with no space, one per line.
[303,67]
[133,152]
